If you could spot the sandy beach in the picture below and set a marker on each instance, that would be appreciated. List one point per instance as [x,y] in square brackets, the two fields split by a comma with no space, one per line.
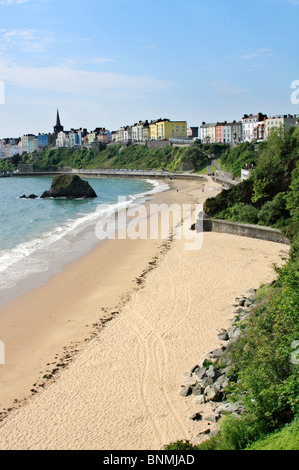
[95,357]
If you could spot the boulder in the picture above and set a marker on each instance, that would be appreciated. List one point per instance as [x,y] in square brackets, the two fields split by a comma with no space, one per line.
[70,187]
[200,372]
[223,335]
[185,391]
[199,399]
[196,417]
[197,390]
[229,408]
[233,333]
[213,393]
[217,353]
[212,373]
[206,381]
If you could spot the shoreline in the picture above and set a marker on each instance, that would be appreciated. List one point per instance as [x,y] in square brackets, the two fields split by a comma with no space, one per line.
[79,244]
[31,302]
[166,302]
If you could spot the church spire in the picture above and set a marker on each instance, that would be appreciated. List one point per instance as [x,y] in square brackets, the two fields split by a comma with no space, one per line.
[58,127]
[58,119]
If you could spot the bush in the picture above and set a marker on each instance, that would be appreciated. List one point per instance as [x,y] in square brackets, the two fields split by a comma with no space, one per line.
[180,445]
[274,213]
[242,192]
[240,212]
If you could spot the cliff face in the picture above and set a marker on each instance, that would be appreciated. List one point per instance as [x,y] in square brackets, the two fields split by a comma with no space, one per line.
[69,186]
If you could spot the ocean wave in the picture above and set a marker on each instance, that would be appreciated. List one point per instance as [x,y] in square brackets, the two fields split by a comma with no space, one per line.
[35,256]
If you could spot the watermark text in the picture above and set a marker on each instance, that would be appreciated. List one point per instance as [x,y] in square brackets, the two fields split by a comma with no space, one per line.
[295,354]
[2,92]
[155,221]
[295,94]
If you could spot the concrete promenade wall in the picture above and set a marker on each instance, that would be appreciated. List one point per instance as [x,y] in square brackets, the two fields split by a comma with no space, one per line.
[116,174]
[25,171]
[245,230]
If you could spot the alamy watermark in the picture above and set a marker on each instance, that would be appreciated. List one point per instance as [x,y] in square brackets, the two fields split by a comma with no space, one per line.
[295,94]
[295,354]
[2,353]
[2,92]
[155,221]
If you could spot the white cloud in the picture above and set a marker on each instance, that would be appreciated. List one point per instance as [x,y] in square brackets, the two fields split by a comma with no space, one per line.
[20,2]
[27,40]
[261,52]
[13,2]
[65,79]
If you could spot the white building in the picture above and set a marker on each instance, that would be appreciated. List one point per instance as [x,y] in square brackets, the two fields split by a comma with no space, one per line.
[140,131]
[10,151]
[62,139]
[26,140]
[227,133]
[284,122]
[208,132]
[248,126]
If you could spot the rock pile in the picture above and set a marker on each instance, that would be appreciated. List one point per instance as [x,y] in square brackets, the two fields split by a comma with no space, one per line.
[207,381]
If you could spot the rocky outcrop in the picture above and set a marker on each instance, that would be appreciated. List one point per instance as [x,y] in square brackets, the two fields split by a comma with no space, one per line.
[207,380]
[70,187]
[32,196]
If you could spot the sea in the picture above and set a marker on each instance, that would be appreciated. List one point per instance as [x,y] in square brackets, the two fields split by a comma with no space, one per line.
[36,233]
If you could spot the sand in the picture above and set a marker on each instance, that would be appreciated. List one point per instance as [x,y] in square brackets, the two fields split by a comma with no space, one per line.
[104,344]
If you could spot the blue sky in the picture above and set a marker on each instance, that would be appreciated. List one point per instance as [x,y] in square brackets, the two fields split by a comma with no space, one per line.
[108,63]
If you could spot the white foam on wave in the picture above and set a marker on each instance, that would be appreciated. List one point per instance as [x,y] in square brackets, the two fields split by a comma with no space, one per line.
[34,256]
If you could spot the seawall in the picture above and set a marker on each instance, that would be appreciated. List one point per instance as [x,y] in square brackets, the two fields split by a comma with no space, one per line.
[129,174]
[244,230]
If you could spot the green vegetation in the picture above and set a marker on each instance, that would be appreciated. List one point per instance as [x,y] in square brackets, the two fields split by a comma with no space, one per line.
[180,445]
[262,199]
[129,157]
[235,159]
[286,439]
[194,157]
[6,165]
[264,375]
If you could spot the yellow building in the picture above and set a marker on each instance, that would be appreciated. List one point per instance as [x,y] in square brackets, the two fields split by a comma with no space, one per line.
[91,137]
[165,129]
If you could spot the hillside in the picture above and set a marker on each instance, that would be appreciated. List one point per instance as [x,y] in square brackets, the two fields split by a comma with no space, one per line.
[194,157]
[262,199]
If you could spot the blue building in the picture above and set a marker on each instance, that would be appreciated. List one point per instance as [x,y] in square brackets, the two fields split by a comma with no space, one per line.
[42,141]
[75,138]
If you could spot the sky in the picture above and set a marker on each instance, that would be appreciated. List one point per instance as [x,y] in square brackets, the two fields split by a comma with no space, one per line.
[109,63]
